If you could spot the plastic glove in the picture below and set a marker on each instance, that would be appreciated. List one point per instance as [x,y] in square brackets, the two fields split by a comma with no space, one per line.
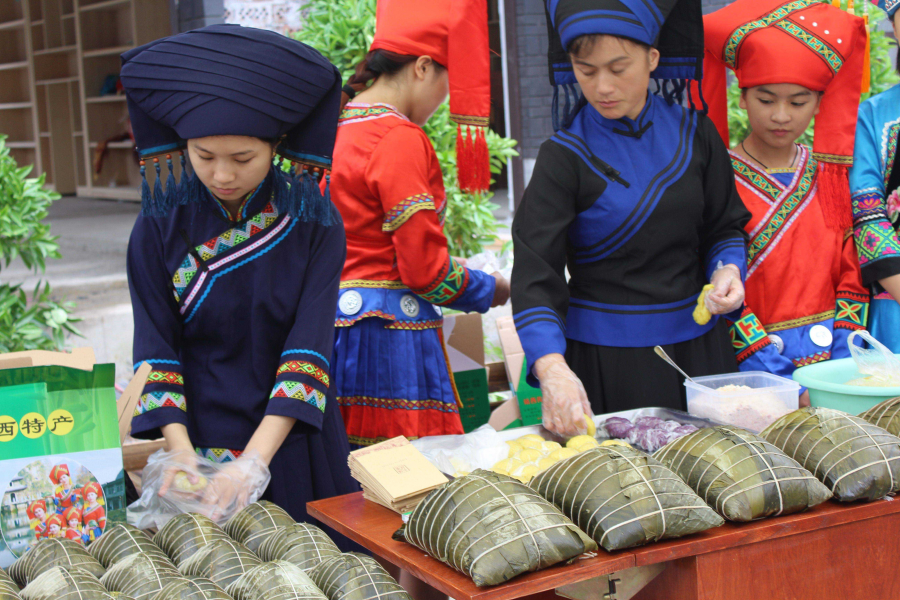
[501,292]
[232,487]
[565,401]
[181,473]
[727,294]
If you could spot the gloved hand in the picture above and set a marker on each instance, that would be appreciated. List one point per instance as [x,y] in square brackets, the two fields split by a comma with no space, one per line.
[727,294]
[565,402]
[232,487]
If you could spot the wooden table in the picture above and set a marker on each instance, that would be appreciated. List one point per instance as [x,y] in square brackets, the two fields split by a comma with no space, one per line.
[835,551]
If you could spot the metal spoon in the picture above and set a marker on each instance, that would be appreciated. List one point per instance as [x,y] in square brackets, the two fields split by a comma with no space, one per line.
[662,354]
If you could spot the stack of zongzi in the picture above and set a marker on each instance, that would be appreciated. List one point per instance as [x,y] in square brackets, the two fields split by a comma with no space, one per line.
[121,541]
[353,576]
[492,528]
[196,588]
[853,458]
[740,475]
[222,561]
[623,498]
[300,544]
[8,588]
[187,533]
[140,576]
[53,552]
[256,522]
[277,580]
[885,415]
[61,583]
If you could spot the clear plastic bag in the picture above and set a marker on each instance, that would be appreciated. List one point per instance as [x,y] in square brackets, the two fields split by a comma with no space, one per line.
[216,490]
[877,364]
[491,262]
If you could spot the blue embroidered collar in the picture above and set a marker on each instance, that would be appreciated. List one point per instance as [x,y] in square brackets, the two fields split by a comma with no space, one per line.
[634,128]
[252,204]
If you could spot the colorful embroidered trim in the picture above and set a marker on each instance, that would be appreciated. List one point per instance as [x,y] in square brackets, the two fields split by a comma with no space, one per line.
[415,325]
[219,455]
[156,361]
[397,404]
[299,366]
[748,336]
[372,283]
[768,232]
[184,275]
[812,359]
[828,54]
[357,113]
[449,285]
[365,315]
[794,323]
[154,400]
[755,178]
[310,352]
[165,377]
[851,312]
[299,391]
[868,207]
[734,42]
[836,159]
[470,120]
[442,212]
[876,240]
[402,212]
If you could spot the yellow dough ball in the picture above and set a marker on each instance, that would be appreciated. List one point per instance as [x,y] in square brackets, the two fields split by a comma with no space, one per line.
[615,443]
[514,448]
[548,447]
[530,443]
[563,454]
[579,440]
[525,473]
[591,428]
[701,313]
[546,463]
[531,436]
[507,465]
[182,483]
[529,455]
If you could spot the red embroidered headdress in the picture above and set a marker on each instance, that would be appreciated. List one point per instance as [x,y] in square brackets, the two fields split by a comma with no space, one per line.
[454,33]
[804,42]
[37,504]
[58,471]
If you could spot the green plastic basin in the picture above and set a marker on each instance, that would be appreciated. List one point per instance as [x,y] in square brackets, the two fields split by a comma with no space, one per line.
[826,380]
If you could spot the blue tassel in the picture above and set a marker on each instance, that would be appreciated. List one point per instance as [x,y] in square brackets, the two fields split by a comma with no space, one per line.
[159,199]
[185,183]
[281,190]
[328,218]
[147,208]
[171,188]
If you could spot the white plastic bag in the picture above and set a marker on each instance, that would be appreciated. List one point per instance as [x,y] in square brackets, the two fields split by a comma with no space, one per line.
[196,485]
[878,365]
[490,263]
[457,455]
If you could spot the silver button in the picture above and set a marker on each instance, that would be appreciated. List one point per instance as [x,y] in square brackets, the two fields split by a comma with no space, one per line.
[777,342]
[350,303]
[821,336]
[410,306]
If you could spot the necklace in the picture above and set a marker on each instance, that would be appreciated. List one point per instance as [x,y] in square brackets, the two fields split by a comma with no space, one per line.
[762,164]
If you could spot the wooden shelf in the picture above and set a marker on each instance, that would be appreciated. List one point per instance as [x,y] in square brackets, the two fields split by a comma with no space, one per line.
[21,64]
[103,5]
[56,50]
[127,145]
[15,105]
[20,145]
[106,51]
[68,16]
[104,99]
[12,24]
[57,80]
[37,23]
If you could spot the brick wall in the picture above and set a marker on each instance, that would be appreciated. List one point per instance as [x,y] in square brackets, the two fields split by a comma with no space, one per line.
[534,85]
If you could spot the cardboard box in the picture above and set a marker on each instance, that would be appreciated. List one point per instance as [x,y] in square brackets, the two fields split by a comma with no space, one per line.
[59,447]
[525,408]
[464,339]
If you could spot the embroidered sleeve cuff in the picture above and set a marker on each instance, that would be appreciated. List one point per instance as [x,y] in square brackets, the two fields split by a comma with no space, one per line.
[478,294]
[732,251]
[303,371]
[147,424]
[748,336]
[401,213]
[541,332]
[298,401]
[449,285]
[851,311]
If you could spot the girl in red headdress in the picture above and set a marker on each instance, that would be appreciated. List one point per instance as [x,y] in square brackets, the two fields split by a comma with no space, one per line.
[93,515]
[37,512]
[804,289]
[72,516]
[55,526]
[66,494]
[390,370]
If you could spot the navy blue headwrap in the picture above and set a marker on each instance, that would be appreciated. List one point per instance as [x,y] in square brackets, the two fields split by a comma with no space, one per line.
[233,80]
[674,27]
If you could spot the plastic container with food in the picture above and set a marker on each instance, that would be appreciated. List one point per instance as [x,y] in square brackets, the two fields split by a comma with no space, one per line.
[751,400]
[828,387]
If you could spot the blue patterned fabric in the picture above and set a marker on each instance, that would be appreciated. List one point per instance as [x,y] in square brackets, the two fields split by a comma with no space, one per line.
[884,322]
[890,7]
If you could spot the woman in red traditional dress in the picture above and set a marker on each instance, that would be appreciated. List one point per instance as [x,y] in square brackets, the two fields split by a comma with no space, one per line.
[66,494]
[93,515]
[73,520]
[37,513]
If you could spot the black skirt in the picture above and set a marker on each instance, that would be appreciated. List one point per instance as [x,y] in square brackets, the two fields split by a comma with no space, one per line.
[619,379]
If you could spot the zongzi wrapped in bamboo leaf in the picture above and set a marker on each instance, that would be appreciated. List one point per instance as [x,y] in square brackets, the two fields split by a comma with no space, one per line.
[623,498]
[276,580]
[8,594]
[121,541]
[492,527]
[222,561]
[182,536]
[53,552]
[197,588]
[256,522]
[853,458]
[885,415]
[354,576]
[141,576]
[300,544]
[9,590]
[740,475]
[60,583]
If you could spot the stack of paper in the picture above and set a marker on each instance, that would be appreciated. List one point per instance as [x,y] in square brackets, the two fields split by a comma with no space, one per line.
[394,474]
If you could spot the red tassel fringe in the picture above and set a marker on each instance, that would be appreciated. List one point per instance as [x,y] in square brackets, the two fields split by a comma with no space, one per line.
[834,195]
[472,160]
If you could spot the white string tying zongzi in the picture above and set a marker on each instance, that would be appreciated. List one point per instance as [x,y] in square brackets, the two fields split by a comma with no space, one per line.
[882,409]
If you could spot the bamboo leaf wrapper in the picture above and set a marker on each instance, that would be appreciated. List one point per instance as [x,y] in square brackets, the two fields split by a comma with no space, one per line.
[53,552]
[853,458]
[196,588]
[277,580]
[187,533]
[492,528]
[256,522]
[120,542]
[8,587]
[300,544]
[61,583]
[885,415]
[623,498]
[742,476]
[140,576]
[353,576]
[222,561]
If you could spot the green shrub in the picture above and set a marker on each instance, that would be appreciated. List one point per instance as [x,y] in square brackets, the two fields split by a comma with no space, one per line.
[343,30]
[38,323]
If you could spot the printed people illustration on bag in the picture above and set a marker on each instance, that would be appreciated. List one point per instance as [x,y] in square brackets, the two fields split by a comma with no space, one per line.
[55,526]
[66,494]
[94,515]
[37,512]
[72,517]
